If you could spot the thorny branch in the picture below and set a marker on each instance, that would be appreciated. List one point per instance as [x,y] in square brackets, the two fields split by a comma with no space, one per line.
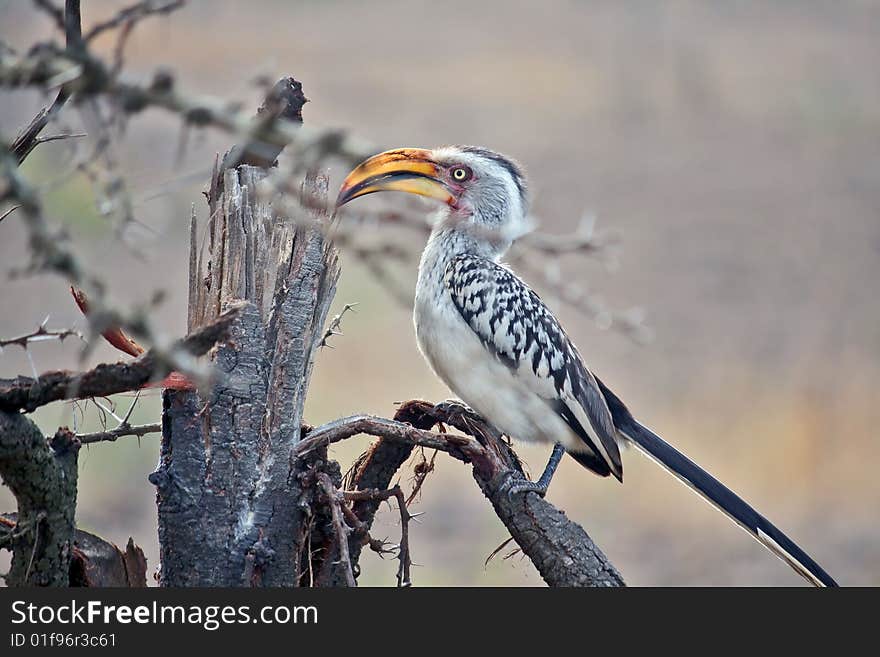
[404,576]
[132,14]
[123,429]
[461,447]
[40,334]
[335,325]
[88,75]
[27,394]
[9,211]
[421,470]
[69,22]
[560,549]
[336,502]
[78,71]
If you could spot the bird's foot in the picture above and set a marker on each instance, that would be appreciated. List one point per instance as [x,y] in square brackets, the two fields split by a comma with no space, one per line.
[450,409]
[515,484]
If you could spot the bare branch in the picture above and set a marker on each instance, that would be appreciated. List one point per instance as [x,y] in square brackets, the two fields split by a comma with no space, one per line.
[583,240]
[123,429]
[535,253]
[309,146]
[81,71]
[61,137]
[421,470]
[53,12]
[133,14]
[336,502]
[629,323]
[334,327]
[404,576]
[40,334]
[27,394]
[68,21]
[560,549]
[461,447]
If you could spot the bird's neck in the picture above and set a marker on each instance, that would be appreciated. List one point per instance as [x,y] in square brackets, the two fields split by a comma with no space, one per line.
[453,236]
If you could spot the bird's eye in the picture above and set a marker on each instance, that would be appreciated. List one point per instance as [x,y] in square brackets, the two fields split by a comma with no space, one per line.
[461,173]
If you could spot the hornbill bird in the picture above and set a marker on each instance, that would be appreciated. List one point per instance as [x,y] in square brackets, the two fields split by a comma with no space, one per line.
[498,347]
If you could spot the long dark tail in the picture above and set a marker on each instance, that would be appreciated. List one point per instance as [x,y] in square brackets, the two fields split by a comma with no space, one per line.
[715,492]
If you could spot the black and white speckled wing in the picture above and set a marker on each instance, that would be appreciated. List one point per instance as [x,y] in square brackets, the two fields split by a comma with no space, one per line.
[517,328]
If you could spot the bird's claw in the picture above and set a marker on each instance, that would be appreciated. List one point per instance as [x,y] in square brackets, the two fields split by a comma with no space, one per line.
[515,484]
[451,408]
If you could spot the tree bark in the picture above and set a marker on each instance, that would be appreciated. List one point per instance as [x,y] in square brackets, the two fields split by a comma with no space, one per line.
[94,562]
[42,475]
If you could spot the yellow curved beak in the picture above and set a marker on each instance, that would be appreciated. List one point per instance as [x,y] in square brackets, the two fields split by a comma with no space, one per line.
[408,170]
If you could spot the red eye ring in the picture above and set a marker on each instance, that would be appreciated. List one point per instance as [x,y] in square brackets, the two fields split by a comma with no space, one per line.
[461,173]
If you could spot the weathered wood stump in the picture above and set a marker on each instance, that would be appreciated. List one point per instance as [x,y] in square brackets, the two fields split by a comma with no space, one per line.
[231,509]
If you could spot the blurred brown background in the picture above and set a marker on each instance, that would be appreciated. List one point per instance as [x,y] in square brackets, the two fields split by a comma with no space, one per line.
[735,147]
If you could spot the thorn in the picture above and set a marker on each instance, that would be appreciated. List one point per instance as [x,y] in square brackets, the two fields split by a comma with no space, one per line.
[137,395]
[9,212]
[587,225]
[107,410]
[31,361]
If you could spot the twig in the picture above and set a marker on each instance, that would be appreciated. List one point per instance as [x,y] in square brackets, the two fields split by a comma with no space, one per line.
[84,71]
[137,396]
[421,471]
[584,240]
[133,13]
[333,328]
[380,546]
[495,552]
[629,323]
[336,502]
[27,394]
[60,137]
[55,13]
[123,429]
[9,212]
[40,334]
[560,549]
[404,577]
[41,516]
[461,447]
[68,21]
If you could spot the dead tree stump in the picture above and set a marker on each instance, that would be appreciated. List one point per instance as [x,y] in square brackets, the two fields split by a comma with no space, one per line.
[231,509]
